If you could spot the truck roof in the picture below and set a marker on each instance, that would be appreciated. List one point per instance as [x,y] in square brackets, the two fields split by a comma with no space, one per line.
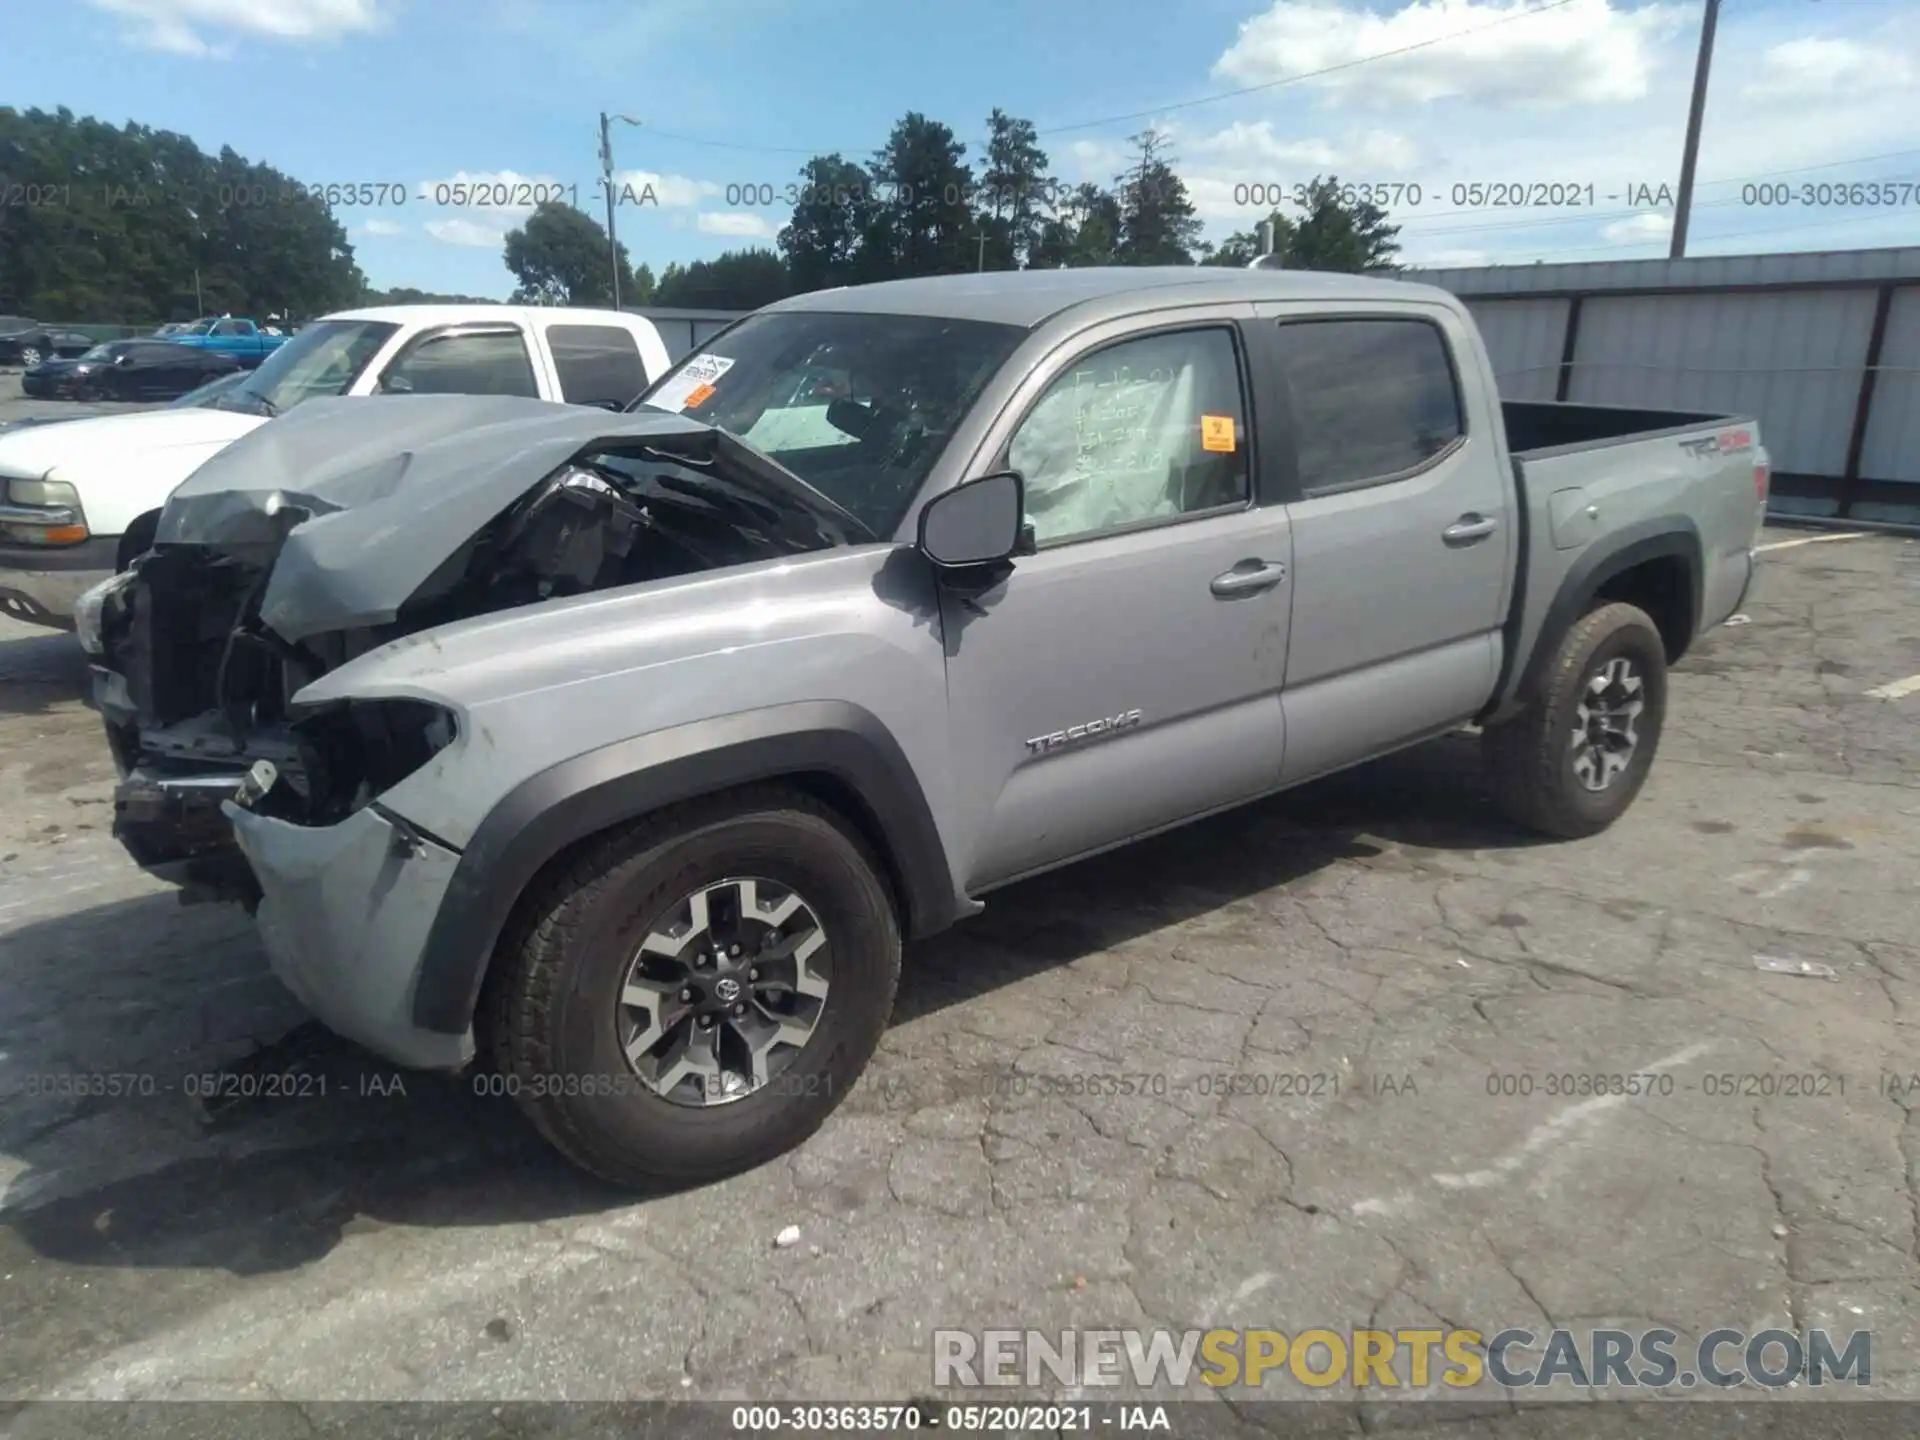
[1028,297]
[464,314]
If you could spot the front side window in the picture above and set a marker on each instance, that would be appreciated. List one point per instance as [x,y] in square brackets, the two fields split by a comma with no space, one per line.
[492,362]
[231,327]
[860,406]
[598,364]
[1144,430]
[325,358]
[1372,399]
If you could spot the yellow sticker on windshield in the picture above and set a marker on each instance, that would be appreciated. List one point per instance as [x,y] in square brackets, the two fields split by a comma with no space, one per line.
[1216,433]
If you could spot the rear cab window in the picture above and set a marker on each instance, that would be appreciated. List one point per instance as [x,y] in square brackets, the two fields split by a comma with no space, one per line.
[597,364]
[1373,399]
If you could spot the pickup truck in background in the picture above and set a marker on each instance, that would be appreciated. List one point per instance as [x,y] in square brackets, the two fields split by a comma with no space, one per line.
[241,339]
[628,748]
[80,499]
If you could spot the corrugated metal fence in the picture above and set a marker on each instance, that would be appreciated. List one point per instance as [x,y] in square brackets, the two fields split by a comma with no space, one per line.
[1823,349]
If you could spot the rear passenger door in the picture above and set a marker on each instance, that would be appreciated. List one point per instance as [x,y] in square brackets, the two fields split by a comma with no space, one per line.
[596,364]
[1402,530]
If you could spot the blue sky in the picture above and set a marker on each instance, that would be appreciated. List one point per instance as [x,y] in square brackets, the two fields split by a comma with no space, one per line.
[1587,95]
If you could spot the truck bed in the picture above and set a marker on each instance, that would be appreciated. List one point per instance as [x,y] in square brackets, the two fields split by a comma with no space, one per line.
[1542,427]
[1587,473]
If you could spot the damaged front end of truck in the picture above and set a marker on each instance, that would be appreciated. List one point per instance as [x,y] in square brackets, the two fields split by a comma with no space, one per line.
[351,524]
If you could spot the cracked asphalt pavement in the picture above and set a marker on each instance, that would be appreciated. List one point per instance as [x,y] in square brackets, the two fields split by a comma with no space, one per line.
[1342,1012]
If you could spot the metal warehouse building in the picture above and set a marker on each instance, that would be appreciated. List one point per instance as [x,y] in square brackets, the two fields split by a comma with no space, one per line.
[1823,349]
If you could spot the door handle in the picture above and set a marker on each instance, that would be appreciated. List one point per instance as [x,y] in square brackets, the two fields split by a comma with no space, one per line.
[1249,576]
[1467,529]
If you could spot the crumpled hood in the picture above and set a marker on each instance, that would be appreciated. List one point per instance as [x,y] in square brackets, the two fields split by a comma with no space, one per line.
[373,494]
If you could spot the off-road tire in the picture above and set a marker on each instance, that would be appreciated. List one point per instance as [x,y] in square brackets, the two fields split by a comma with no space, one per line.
[1530,758]
[547,1010]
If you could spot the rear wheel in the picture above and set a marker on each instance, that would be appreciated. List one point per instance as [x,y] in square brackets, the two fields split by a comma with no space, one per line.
[692,996]
[1573,760]
[30,356]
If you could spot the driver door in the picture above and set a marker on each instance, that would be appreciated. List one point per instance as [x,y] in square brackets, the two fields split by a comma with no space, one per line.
[1125,676]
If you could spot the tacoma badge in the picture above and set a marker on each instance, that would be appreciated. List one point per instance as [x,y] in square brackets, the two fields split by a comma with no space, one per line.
[1093,730]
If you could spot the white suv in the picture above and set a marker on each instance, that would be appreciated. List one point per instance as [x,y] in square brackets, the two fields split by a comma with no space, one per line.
[81,498]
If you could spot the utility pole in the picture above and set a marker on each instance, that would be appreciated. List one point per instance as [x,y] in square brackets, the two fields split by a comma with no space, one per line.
[1683,206]
[606,181]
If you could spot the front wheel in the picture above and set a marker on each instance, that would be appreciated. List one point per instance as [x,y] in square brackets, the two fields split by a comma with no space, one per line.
[1572,761]
[692,996]
[30,356]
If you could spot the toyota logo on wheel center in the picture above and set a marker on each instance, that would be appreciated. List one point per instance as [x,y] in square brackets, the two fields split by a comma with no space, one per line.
[727,989]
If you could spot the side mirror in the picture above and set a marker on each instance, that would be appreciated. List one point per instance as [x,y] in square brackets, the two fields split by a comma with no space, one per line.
[396,385]
[978,523]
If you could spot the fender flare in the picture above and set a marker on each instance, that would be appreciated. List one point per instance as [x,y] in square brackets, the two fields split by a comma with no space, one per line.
[566,803]
[1666,536]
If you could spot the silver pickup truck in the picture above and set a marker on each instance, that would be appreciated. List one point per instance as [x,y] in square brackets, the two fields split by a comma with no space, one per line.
[625,750]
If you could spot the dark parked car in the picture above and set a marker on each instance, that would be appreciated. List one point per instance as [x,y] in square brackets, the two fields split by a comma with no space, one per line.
[127,370]
[30,343]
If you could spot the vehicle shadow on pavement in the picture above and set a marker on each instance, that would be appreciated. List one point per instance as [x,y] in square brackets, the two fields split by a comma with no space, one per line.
[40,670]
[1425,798]
[347,1144]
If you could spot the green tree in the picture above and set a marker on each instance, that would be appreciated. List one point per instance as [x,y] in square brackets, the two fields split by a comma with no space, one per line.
[641,290]
[824,243]
[737,280]
[1243,247]
[1084,230]
[923,205]
[559,257]
[1342,233]
[408,295]
[1017,185]
[1157,221]
[115,221]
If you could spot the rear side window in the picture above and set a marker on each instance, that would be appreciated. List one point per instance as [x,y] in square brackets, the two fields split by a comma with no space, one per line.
[489,363]
[597,364]
[1372,399]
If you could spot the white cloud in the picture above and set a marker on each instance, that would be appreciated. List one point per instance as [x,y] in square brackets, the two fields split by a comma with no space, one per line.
[1614,156]
[1819,68]
[737,223]
[182,27]
[1582,52]
[1444,259]
[1255,146]
[1097,160]
[381,227]
[669,191]
[466,232]
[1641,229]
[477,207]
